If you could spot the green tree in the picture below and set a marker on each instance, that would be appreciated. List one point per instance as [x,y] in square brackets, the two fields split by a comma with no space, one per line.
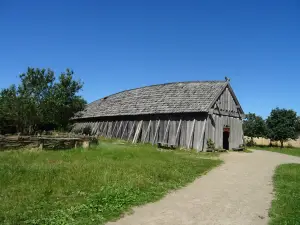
[39,102]
[65,98]
[298,125]
[254,126]
[9,110]
[282,125]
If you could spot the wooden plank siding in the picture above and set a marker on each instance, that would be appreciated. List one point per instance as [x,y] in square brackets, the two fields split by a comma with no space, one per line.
[180,130]
[226,112]
[187,130]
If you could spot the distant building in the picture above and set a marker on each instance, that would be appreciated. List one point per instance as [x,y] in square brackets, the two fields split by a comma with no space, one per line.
[183,114]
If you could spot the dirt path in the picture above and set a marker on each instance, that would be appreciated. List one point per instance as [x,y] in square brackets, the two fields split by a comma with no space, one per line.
[238,192]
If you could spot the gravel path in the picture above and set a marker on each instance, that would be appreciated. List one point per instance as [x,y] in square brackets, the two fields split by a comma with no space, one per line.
[237,192]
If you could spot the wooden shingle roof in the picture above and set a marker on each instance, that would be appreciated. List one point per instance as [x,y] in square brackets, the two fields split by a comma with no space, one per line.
[180,97]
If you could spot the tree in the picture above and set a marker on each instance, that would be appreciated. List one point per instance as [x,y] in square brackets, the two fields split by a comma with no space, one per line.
[298,125]
[9,112]
[39,102]
[65,99]
[282,124]
[254,126]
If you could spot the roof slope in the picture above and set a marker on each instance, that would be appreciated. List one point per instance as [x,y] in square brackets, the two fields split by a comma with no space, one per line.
[156,99]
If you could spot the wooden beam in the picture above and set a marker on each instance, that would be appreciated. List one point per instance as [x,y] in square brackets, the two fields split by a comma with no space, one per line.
[218,108]
[109,129]
[98,128]
[177,132]
[112,132]
[147,131]
[225,113]
[191,135]
[124,129]
[156,131]
[119,128]
[137,132]
[101,127]
[131,131]
[166,131]
[202,135]
[105,127]
[95,128]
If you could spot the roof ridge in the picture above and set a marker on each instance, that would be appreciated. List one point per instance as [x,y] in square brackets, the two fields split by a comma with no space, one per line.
[163,84]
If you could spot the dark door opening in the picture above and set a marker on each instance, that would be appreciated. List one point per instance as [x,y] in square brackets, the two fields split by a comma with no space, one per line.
[226,140]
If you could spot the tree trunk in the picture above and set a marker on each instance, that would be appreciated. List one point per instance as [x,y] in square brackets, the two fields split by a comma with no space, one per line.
[252,142]
[281,143]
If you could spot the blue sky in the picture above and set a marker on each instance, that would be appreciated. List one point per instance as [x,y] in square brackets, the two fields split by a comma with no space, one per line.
[117,45]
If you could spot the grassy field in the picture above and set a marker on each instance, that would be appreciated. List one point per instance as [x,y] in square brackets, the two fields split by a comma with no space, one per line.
[288,151]
[286,206]
[90,186]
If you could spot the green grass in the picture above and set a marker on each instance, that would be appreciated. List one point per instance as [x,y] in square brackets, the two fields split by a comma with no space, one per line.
[248,151]
[286,206]
[90,186]
[287,151]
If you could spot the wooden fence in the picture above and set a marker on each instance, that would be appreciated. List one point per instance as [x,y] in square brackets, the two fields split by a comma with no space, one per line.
[45,142]
[266,142]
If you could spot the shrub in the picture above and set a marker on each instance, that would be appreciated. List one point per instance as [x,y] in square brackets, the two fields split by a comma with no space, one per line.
[87,130]
[250,142]
[210,145]
[290,145]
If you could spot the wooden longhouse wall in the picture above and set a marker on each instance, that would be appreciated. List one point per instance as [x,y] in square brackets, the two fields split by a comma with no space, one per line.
[184,131]
[226,112]
[184,114]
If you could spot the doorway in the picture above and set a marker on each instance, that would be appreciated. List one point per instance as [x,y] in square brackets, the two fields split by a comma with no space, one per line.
[226,140]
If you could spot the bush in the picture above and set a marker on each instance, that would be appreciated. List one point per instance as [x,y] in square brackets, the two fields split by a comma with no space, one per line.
[210,145]
[290,145]
[87,130]
[250,143]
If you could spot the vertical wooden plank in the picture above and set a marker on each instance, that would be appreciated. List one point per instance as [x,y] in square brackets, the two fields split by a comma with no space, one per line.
[156,132]
[115,124]
[196,135]
[221,125]
[152,130]
[217,131]
[101,128]
[124,129]
[177,132]
[110,127]
[183,133]
[120,126]
[94,130]
[166,131]
[191,134]
[105,129]
[214,128]
[161,131]
[188,131]
[98,129]
[201,146]
[144,129]
[92,125]
[138,131]
[147,131]
[131,130]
